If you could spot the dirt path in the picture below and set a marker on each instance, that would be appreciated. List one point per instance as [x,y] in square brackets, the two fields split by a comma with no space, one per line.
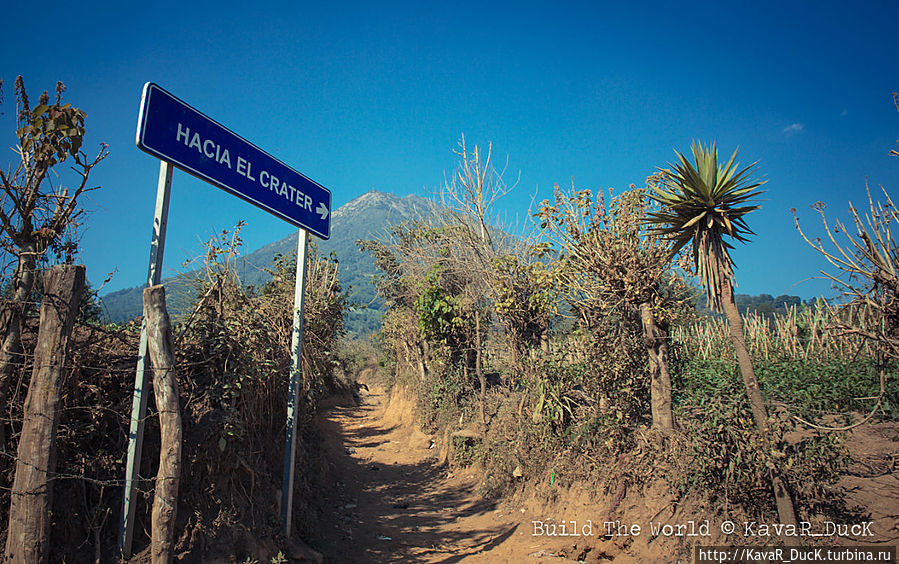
[393,502]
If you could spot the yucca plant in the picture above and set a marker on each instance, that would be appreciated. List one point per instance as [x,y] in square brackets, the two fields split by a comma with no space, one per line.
[702,202]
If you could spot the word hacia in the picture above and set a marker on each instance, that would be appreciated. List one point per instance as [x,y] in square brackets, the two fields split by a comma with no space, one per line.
[212,150]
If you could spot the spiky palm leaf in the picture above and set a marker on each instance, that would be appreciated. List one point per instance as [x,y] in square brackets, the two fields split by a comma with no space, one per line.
[703,203]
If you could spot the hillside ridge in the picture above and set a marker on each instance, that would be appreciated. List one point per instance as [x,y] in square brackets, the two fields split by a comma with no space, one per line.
[367,216]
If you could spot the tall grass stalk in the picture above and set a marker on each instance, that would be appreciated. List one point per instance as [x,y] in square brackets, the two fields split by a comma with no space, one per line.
[801,332]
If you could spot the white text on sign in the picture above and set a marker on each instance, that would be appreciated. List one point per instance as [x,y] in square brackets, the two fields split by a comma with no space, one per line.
[221,155]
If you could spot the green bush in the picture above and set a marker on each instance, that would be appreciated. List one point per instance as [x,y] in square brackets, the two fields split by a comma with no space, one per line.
[809,388]
[830,386]
[442,397]
[726,455]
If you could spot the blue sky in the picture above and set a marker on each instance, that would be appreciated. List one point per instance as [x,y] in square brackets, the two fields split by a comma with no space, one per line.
[375,95]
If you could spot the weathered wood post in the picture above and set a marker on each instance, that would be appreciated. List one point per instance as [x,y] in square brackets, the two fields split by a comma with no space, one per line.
[31,497]
[165,389]
[139,400]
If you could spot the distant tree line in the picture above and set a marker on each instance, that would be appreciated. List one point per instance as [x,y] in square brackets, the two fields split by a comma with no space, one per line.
[767,305]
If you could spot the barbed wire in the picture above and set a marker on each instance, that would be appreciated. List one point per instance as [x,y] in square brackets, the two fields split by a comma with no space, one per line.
[68,476]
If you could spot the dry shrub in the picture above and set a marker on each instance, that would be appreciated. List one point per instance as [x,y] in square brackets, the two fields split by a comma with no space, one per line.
[92,439]
[233,360]
[576,413]
[234,369]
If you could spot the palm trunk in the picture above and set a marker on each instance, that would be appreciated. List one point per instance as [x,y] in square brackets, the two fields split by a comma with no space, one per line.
[656,341]
[735,323]
[785,509]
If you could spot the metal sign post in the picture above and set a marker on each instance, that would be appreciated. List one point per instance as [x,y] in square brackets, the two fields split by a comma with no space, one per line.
[296,381]
[181,136]
[139,401]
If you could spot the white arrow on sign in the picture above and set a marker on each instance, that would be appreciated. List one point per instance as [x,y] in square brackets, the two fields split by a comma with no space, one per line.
[322,210]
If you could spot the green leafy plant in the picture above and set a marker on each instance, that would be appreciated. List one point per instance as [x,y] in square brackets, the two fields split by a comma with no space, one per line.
[730,459]
[553,404]
[441,318]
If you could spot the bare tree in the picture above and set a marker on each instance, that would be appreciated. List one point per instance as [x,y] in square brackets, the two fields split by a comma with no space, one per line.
[470,196]
[868,265]
[454,254]
[38,215]
[474,189]
[868,278]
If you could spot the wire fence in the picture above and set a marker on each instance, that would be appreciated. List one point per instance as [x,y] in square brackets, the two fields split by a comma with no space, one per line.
[94,408]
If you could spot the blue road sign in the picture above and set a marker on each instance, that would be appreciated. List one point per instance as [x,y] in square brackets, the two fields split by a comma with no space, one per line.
[171,130]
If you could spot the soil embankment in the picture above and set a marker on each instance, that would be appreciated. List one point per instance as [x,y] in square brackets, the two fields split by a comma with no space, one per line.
[393,499]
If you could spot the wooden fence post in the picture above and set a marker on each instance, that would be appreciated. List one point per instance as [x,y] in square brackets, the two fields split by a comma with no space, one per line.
[165,389]
[31,496]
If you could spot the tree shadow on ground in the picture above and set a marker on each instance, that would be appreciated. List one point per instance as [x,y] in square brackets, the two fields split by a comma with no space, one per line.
[391,504]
